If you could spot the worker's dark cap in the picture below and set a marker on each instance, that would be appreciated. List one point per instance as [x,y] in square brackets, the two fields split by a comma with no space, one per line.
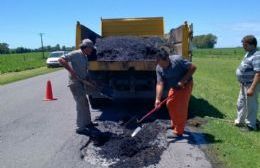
[86,43]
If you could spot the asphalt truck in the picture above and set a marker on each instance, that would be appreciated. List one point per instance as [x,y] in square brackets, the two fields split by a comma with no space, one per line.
[131,79]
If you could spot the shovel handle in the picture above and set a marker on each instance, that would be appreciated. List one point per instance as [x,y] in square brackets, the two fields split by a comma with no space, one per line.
[154,109]
[87,83]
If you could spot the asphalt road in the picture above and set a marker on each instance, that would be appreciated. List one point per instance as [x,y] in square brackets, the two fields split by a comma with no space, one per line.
[39,134]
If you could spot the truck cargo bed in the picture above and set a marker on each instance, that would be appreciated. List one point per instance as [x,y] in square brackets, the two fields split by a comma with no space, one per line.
[125,59]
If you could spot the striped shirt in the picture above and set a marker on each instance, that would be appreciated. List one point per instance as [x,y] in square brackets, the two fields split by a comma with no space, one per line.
[249,66]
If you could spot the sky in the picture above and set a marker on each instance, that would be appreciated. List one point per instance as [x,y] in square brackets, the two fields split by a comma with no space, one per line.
[21,21]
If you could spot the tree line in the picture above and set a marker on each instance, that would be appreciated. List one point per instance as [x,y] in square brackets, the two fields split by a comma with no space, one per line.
[200,41]
[4,49]
[204,41]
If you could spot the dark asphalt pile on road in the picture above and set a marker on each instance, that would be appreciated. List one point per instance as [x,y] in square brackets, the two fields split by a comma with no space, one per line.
[122,150]
[127,48]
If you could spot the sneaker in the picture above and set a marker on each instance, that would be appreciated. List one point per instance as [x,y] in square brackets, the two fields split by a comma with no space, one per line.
[173,136]
[238,124]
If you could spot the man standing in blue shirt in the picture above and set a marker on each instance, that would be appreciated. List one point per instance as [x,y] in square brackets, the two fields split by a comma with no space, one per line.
[248,75]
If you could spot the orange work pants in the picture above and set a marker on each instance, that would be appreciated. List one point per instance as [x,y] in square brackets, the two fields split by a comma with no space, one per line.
[178,107]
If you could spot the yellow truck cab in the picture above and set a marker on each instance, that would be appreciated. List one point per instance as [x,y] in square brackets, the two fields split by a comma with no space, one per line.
[132,79]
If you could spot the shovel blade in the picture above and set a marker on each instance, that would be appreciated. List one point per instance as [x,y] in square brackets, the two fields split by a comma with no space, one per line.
[138,129]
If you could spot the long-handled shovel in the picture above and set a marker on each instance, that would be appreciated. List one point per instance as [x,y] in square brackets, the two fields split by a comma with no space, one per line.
[138,129]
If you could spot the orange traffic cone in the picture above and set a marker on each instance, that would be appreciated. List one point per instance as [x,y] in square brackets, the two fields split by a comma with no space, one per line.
[48,94]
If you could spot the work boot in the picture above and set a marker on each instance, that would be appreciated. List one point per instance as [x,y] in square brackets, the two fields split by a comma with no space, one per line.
[93,124]
[88,130]
[95,133]
[83,131]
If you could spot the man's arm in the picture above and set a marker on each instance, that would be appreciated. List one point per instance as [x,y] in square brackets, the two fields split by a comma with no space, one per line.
[251,90]
[159,92]
[64,63]
[187,76]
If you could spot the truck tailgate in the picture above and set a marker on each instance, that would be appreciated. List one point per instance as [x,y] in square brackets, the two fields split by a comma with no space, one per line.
[147,65]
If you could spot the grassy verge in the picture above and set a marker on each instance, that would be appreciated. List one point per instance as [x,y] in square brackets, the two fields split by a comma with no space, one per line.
[15,76]
[21,62]
[215,95]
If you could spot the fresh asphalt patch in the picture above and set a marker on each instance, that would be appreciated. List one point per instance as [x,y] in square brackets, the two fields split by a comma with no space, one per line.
[122,150]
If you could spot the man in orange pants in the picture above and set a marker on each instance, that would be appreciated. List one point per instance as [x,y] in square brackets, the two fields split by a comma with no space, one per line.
[174,73]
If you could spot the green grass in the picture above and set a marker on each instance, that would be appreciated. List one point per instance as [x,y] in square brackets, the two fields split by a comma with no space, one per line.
[15,76]
[14,67]
[219,53]
[21,62]
[215,95]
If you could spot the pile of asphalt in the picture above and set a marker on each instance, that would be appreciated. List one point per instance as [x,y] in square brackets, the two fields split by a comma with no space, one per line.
[122,150]
[127,48]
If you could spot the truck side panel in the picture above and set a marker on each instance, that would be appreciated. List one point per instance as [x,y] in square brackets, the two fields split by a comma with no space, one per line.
[83,32]
[180,40]
[133,27]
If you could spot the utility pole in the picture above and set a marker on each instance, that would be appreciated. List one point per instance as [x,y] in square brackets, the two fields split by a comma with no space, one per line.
[42,46]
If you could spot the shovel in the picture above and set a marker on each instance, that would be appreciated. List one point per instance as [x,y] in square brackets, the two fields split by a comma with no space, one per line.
[102,91]
[138,129]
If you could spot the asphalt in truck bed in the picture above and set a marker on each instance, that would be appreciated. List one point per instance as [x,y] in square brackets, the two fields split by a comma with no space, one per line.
[127,48]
